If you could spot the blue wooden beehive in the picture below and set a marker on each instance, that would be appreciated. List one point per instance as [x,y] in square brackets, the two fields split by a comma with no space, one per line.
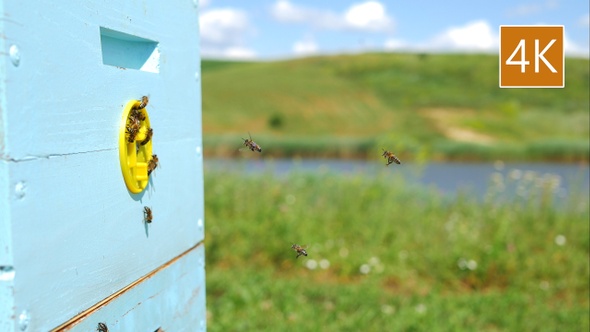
[74,248]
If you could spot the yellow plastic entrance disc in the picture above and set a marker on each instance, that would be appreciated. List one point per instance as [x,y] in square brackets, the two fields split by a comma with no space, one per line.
[135,146]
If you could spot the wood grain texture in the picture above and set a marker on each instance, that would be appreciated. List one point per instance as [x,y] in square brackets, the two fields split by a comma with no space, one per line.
[69,228]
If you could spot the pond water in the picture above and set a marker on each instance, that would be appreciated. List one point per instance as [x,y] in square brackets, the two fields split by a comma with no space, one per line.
[449,178]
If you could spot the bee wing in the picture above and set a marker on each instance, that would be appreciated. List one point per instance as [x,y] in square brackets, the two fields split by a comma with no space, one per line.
[244,146]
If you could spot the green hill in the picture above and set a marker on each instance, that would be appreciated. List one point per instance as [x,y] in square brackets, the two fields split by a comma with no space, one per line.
[421,106]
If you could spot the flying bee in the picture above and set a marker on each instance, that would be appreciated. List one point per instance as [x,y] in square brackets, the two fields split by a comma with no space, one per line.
[144,102]
[152,163]
[148,135]
[249,143]
[102,327]
[299,249]
[391,158]
[147,215]
[132,130]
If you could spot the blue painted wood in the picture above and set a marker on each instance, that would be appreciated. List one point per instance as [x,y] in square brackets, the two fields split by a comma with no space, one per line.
[71,234]
[68,101]
[173,299]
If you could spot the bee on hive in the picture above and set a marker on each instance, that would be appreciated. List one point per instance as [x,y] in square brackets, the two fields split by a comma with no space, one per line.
[147,215]
[132,130]
[153,163]
[102,327]
[144,102]
[148,135]
[136,115]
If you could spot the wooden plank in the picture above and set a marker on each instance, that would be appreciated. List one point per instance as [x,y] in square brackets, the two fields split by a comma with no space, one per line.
[171,298]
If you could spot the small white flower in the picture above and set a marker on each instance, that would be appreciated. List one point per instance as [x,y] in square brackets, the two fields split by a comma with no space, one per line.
[311,264]
[462,263]
[420,308]
[365,269]
[374,260]
[387,309]
[560,240]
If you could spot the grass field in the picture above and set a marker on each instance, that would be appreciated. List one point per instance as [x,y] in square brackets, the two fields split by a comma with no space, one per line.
[421,106]
[387,256]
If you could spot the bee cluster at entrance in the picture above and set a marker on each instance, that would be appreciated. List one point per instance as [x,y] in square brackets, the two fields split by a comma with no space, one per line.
[138,132]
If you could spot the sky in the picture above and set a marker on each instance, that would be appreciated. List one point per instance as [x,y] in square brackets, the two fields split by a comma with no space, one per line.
[277,29]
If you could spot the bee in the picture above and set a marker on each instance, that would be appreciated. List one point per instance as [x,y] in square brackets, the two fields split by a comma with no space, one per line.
[248,142]
[299,249]
[147,215]
[152,164]
[144,102]
[136,115]
[102,327]
[391,158]
[132,130]
[148,136]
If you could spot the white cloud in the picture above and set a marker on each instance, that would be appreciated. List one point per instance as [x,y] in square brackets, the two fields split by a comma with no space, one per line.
[223,33]
[477,36]
[204,3]
[305,47]
[574,49]
[284,11]
[474,36]
[366,16]
[236,52]
[221,26]
[395,44]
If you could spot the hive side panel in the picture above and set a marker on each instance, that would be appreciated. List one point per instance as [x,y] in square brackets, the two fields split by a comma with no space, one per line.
[69,227]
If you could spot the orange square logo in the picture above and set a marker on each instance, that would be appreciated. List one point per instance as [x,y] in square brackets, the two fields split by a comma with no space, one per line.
[532,56]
